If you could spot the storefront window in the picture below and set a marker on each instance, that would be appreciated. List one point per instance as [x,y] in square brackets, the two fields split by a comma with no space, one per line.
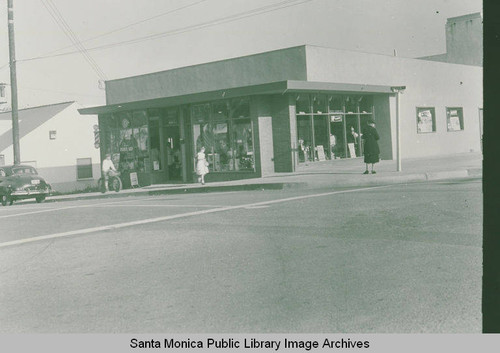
[203,137]
[200,115]
[302,104]
[366,104]
[337,141]
[319,104]
[351,104]
[125,136]
[337,134]
[305,138]
[335,104]
[352,134]
[240,108]
[224,128]
[218,157]
[321,137]
[155,138]
[243,141]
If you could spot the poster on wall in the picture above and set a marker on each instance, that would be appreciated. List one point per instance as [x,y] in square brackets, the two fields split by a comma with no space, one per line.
[425,120]
[453,120]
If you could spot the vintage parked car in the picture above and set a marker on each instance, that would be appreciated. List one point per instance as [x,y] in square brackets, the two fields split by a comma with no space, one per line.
[22,182]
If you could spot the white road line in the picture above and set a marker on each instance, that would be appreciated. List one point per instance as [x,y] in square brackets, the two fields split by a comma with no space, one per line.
[69,207]
[182,215]
[39,211]
[178,206]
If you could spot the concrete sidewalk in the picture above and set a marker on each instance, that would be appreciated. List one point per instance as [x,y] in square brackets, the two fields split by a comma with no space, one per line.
[325,174]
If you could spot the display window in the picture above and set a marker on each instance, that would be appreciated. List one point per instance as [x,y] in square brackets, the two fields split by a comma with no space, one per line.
[333,129]
[303,105]
[335,104]
[365,104]
[304,134]
[319,104]
[225,130]
[455,119]
[155,141]
[351,104]
[337,145]
[125,136]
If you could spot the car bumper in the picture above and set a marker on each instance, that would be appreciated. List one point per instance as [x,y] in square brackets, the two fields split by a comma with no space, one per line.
[30,192]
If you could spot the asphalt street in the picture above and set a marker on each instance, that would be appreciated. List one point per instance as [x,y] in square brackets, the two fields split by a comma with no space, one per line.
[393,259]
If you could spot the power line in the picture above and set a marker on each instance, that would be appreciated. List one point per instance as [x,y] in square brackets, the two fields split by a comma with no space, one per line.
[73,37]
[222,20]
[115,30]
[130,25]
[55,91]
[61,22]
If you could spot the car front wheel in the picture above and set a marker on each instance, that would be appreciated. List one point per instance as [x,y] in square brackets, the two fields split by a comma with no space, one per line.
[6,200]
[40,199]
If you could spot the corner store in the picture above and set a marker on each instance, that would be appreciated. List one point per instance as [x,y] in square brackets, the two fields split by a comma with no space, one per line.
[251,111]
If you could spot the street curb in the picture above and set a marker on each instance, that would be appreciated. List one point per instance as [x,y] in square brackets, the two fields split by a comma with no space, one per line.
[181,190]
[371,180]
[452,174]
[475,172]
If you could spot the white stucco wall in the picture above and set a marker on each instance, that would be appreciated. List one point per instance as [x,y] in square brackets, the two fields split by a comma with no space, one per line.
[56,159]
[428,84]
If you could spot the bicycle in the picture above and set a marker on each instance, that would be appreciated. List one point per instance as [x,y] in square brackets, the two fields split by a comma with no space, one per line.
[114,183]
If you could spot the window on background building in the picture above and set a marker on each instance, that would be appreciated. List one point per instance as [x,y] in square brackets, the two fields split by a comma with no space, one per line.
[426,120]
[52,134]
[84,168]
[2,159]
[455,119]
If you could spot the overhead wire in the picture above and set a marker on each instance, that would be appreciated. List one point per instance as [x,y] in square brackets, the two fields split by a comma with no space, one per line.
[116,29]
[130,25]
[61,22]
[55,91]
[222,20]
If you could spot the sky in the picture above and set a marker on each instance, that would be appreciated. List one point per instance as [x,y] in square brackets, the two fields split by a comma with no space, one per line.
[129,37]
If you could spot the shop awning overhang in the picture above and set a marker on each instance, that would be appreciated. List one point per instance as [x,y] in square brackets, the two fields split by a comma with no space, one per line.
[281,87]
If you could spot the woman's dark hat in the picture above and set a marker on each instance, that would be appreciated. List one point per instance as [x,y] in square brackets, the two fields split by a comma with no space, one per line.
[370,121]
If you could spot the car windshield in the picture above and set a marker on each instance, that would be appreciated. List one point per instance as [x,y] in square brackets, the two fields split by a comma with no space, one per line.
[24,170]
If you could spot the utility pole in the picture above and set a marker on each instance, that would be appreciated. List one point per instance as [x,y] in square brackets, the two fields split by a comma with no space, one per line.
[13,84]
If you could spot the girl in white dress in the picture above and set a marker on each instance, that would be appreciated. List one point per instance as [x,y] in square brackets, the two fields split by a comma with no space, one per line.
[201,166]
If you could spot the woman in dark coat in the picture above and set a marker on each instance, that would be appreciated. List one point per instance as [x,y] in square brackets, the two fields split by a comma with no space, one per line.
[371,149]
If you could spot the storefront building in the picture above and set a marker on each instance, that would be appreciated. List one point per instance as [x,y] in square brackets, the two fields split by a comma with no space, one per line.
[267,113]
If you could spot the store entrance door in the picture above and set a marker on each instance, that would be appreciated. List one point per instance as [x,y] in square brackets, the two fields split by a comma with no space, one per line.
[172,152]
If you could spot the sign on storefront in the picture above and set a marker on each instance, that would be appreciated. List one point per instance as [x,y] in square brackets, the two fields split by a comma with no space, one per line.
[134,180]
[321,153]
